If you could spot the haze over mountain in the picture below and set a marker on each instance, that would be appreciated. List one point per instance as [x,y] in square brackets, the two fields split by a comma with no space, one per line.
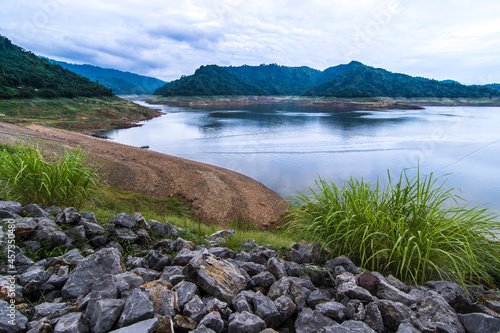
[349,80]
[24,75]
[121,83]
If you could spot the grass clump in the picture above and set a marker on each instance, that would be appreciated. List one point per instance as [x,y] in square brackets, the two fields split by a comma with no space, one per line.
[414,229]
[28,177]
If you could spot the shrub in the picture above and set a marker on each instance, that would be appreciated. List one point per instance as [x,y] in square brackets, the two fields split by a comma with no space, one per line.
[414,229]
[26,176]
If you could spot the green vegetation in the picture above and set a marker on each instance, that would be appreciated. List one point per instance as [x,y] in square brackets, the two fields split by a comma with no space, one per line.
[28,177]
[409,229]
[121,83]
[495,86]
[352,80]
[24,75]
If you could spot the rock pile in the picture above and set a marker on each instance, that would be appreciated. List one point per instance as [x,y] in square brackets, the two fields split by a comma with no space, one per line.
[177,286]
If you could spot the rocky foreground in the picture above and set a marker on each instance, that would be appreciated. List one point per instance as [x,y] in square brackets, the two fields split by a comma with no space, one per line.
[172,285]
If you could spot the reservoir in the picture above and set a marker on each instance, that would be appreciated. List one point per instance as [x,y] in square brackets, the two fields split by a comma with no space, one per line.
[287,147]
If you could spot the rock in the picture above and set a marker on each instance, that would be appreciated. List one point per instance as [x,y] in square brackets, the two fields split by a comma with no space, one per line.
[277,268]
[117,246]
[170,271]
[245,322]
[242,304]
[123,220]
[105,314]
[141,221]
[137,307]
[33,279]
[373,318]
[98,241]
[103,288]
[454,295]
[357,326]
[261,255]
[68,216]
[319,296]
[480,323]
[213,321]
[355,310]
[250,267]
[183,244]
[407,328]
[248,245]
[306,253]
[72,256]
[266,309]
[345,262]
[494,305]
[165,246]
[221,234]
[33,210]
[219,278]
[145,326]
[291,287]
[164,300]
[436,309]
[286,308]
[21,263]
[52,310]
[218,306]
[24,227]
[332,309]
[49,237]
[293,269]
[184,324]
[88,217]
[124,235]
[155,260]
[387,291]
[126,282]
[7,215]
[10,206]
[195,309]
[321,277]
[368,281]
[92,229]
[310,321]
[184,257]
[222,252]
[393,313]
[352,291]
[91,269]
[264,279]
[162,230]
[39,326]
[74,322]
[185,292]
[11,320]
[395,282]
[146,274]
[202,329]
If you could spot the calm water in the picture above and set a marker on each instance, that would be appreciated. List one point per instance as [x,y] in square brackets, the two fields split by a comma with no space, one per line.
[287,147]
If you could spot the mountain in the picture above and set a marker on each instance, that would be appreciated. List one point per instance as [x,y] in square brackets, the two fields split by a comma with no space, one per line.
[121,83]
[24,75]
[210,80]
[493,85]
[348,80]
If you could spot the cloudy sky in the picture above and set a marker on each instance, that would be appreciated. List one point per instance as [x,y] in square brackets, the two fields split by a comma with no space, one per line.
[441,39]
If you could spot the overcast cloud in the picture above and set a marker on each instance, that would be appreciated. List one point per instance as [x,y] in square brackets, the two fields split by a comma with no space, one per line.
[445,39]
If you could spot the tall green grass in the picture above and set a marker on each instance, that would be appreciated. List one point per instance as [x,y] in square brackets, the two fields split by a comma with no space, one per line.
[28,177]
[414,229]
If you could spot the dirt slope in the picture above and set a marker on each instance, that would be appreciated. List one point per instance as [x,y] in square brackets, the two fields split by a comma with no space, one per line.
[217,195]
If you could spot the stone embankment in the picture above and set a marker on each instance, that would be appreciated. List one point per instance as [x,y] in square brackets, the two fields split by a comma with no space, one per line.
[115,278]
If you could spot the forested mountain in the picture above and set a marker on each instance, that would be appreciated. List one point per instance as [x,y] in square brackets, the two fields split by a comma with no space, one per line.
[493,85]
[24,75]
[209,81]
[350,80]
[121,83]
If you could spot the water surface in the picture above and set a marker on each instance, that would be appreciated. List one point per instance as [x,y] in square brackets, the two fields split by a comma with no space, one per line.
[287,146]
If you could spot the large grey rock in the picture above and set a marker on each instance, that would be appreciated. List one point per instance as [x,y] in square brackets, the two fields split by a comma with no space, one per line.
[11,320]
[33,210]
[319,296]
[126,282]
[242,304]
[155,260]
[33,279]
[162,230]
[352,291]
[407,328]
[185,292]
[74,322]
[92,229]
[336,311]
[169,272]
[91,269]
[184,257]
[104,288]
[454,295]
[24,227]
[52,310]
[393,313]
[222,252]
[286,308]
[277,268]
[291,287]
[250,267]
[72,256]
[436,309]
[137,307]
[480,323]
[306,253]
[219,306]
[68,216]
[264,279]
[123,220]
[164,300]
[386,291]
[261,255]
[124,235]
[105,314]
[145,326]
[217,277]
[10,206]
[141,221]
[181,244]
[357,326]
[310,321]
[21,262]
[345,262]
[245,322]
[146,274]
[266,309]
[195,309]
[50,236]
[373,317]
[213,321]
[165,246]
[356,310]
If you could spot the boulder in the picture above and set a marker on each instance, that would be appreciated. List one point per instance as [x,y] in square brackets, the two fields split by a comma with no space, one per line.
[454,295]
[92,229]
[195,309]
[155,260]
[393,313]
[355,310]
[184,257]
[184,324]
[145,326]
[373,318]
[345,263]
[291,287]
[68,216]
[141,221]
[137,307]
[105,314]
[52,310]
[181,244]
[250,267]
[286,308]
[266,309]
[245,322]
[357,326]
[436,309]
[217,277]
[126,282]
[221,234]
[33,210]
[336,311]
[10,206]
[162,230]
[264,279]
[213,321]
[222,252]
[261,255]
[123,220]
[480,323]
[124,235]
[319,296]
[352,291]
[164,300]
[91,269]
[11,320]
[310,321]
[277,268]
[24,227]
[218,306]
[306,253]
[385,290]
[165,246]
[103,288]
[74,322]
[185,292]
[146,274]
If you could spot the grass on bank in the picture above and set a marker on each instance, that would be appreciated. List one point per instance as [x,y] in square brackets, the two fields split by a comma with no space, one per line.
[407,228]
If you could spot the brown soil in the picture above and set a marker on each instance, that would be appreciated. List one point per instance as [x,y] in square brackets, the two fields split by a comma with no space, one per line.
[215,194]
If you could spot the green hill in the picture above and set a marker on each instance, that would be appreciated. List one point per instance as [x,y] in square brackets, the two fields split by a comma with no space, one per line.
[493,85]
[121,83]
[358,80]
[210,80]
[24,75]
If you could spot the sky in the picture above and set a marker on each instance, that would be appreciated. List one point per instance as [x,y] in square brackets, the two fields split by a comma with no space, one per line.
[439,39]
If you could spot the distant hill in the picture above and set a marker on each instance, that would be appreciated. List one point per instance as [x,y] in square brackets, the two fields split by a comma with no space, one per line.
[493,85]
[210,80]
[121,83]
[24,75]
[349,80]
